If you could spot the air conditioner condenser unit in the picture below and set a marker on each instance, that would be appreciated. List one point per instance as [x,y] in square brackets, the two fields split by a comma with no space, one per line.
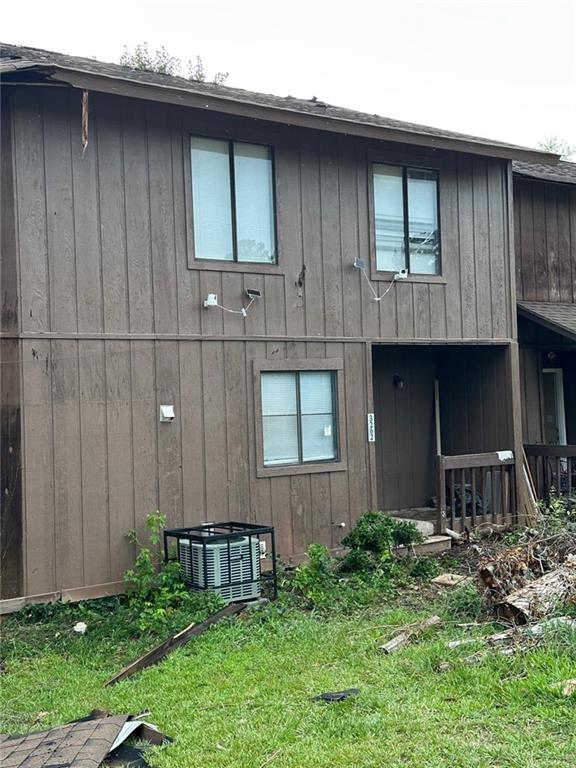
[230,568]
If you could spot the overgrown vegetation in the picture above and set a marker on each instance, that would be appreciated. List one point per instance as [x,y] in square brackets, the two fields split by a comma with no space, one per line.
[241,695]
[156,592]
[162,62]
[370,571]
[557,516]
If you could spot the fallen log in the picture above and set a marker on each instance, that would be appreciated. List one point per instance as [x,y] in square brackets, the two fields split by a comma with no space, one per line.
[541,597]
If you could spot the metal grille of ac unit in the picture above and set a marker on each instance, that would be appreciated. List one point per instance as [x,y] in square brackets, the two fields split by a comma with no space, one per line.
[224,564]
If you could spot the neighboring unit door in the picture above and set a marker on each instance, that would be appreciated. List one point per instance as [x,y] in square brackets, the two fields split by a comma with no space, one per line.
[553,406]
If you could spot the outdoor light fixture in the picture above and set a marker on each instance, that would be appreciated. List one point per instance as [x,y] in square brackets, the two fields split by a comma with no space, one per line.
[252,293]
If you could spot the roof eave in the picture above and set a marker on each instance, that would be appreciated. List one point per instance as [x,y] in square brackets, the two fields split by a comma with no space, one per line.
[545,322]
[171,94]
[544,179]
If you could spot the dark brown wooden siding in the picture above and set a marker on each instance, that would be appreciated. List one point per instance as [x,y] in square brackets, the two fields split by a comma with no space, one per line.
[11,512]
[98,461]
[545,240]
[112,323]
[475,409]
[103,236]
[536,343]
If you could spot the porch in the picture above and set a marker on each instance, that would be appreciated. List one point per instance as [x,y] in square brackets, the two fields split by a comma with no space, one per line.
[547,338]
[553,471]
[444,434]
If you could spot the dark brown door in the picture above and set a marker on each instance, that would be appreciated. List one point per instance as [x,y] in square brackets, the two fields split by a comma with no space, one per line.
[405,433]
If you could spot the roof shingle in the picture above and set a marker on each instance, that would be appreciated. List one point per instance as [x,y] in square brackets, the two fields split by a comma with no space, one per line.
[555,316]
[563,171]
[13,57]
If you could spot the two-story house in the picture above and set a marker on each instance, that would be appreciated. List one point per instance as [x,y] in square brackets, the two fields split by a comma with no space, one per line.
[545,238]
[229,305]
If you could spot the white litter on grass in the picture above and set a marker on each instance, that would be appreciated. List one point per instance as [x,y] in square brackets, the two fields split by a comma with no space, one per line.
[80,628]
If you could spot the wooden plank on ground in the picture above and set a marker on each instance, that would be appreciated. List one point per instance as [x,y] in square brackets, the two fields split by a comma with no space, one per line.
[175,641]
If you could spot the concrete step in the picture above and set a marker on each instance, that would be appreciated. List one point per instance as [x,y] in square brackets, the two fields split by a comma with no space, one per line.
[425,527]
[432,545]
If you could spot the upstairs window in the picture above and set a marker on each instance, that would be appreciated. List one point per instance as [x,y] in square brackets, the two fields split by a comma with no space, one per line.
[299,423]
[232,201]
[406,219]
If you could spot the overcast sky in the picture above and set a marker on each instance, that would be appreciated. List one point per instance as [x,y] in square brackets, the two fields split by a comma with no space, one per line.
[505,70]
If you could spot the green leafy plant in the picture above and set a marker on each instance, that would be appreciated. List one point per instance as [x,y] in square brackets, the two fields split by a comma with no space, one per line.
[368,572]
[317,577]
[424,568]
[162,62]
[557,514]
[156,591]
[376,532]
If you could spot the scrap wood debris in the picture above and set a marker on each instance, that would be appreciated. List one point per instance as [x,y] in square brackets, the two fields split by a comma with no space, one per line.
[407,633]
[451,580]
[513,640]
[525,580]
[86,743]
[162,650]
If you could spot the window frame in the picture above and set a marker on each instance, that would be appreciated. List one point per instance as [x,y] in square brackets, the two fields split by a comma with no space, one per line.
[405,164]
[338,464]
[221,265]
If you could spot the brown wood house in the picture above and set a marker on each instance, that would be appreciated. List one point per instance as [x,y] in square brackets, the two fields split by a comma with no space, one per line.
[545,227]
[227,305]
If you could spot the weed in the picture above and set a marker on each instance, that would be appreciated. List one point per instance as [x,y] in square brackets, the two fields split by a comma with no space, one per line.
[424,568]
[157,594]
[376,532]
[463,603]
[367,573]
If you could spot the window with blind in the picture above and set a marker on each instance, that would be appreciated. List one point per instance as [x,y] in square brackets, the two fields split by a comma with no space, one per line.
[299,424]
[232,201]
[406,219]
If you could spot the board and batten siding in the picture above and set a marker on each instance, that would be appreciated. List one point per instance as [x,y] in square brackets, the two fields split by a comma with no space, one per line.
[103,236]
[111,324]
[97,460]
[545,240]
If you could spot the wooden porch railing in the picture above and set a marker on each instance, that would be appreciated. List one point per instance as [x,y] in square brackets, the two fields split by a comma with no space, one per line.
[553,469]
[476,488]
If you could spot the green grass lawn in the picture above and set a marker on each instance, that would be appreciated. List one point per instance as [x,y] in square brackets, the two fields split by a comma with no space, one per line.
[241,694]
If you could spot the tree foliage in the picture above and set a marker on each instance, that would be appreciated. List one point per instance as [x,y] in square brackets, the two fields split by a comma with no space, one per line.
[558,146]
[161,61]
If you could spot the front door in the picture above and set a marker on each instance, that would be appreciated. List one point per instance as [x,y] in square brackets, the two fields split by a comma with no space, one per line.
[405,429]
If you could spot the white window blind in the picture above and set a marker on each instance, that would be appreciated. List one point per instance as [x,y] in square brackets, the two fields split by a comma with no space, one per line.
[232,201]
[254,203]
[298,417]
[211,199]
[423,221]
